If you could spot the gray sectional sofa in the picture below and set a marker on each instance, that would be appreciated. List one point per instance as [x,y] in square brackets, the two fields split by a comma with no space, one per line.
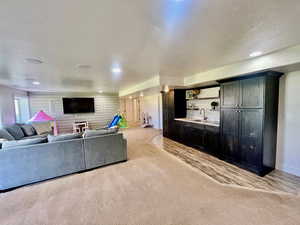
[28,164]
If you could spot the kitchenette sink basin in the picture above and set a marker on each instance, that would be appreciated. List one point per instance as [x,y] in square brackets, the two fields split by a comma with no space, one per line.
[200,121]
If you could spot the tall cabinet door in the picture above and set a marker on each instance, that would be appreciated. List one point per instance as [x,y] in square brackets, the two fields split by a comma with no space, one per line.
[229,134]
[251,93]
[250,136]
[168,113]
[230,94]
[165,114]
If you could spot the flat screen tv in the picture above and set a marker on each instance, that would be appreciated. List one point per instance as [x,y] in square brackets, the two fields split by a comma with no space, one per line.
[78,105]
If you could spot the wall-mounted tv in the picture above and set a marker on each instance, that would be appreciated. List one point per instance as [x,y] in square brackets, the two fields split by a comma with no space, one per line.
[78,105]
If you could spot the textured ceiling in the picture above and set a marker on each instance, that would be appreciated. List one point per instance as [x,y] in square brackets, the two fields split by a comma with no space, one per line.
[145,38]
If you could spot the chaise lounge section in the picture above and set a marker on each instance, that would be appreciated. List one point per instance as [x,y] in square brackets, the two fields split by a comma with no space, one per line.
[33,163]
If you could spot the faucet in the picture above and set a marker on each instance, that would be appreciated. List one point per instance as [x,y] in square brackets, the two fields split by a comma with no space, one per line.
[204,112]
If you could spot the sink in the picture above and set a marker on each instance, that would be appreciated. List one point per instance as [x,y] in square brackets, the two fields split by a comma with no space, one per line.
[206,121]
[199,120]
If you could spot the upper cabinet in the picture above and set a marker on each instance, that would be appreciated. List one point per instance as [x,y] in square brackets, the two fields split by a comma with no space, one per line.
[230,94]
[251,93]
[243,93]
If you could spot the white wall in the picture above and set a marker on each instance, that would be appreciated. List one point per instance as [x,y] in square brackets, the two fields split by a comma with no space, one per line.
[288,141]
[7,107]
[106,106]
[212,115]
[152,105]
[277,59]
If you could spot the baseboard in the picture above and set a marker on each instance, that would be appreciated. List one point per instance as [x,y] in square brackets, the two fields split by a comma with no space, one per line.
[289,169]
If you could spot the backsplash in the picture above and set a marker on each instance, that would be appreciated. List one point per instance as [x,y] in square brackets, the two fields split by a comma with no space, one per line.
[212,115]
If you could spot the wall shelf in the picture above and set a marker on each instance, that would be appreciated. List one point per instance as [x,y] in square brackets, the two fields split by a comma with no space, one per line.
[203,98]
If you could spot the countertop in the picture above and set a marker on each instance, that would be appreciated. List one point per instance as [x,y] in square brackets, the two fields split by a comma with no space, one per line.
[208,123]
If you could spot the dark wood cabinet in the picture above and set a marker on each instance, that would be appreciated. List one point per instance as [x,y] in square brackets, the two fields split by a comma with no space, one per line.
[229,137]
[201,137]
[243,93]
[250,137]
[167,114]
[248,128]
[230,95]
[212,140]
[174,106]
[251,93]
[194,135]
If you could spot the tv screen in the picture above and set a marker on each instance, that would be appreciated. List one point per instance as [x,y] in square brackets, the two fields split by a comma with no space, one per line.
[78,105]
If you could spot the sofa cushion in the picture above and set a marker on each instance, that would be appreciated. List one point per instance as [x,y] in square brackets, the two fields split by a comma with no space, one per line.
[13,144]
[115,128]
[28,130]
[63,137]
[5,135]
[42,128]
[94,133]
[15,131]
[35,136]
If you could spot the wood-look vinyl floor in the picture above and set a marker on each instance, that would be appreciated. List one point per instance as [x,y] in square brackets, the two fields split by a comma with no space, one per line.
[228,174]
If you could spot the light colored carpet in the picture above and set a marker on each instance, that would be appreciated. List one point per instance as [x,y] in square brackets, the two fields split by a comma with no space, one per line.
[153,187]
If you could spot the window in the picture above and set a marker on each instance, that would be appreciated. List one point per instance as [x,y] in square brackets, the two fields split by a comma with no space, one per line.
[17,110]
[21,109]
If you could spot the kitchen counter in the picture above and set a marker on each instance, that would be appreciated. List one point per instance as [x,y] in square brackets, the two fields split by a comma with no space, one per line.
[207,123]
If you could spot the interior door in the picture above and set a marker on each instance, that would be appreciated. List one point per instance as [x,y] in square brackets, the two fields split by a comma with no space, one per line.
[123,106]
[129,110]
[136,109]
[230,134]
[230,94]
[250,136]
[251,93]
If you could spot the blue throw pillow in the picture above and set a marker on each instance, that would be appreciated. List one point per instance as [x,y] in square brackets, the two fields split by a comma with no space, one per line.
[63,137]
[5,135]
[15,131]
[13,144]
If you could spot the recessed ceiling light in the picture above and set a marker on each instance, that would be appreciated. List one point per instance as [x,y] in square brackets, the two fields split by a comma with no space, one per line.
[100,91]
[33,60]
[255,54]
[83,66]
[36,83]
[116,70]
[166,89]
